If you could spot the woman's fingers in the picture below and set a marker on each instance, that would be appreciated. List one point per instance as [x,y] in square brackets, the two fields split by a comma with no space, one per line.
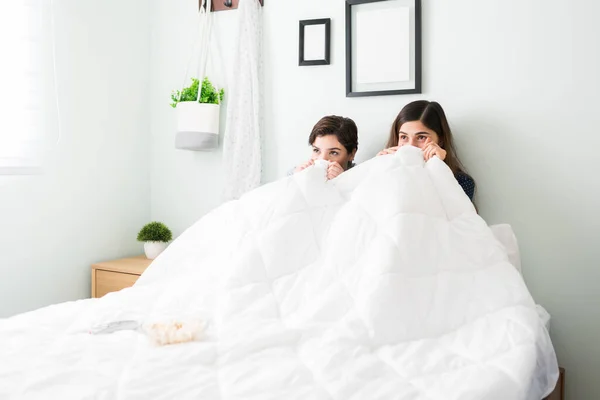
[429,148]
[427,152]
[390,150]
[334,170]
[433,149]
[439,152]
[442,154]
[304,166]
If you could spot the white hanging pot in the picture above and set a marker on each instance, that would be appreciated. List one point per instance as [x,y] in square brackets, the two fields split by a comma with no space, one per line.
[197,126]
[153,249]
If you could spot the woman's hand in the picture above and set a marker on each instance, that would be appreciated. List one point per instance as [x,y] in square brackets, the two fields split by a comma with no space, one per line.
[391,150]
[433,149]
[304,166]
[333,170]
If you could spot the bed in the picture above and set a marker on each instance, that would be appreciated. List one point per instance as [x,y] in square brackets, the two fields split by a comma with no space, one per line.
[381,284]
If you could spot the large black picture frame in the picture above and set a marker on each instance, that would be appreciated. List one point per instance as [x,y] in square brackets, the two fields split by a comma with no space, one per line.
[410,86]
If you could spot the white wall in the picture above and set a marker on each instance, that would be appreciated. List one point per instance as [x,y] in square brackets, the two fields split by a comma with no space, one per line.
[93,195]
[518,81]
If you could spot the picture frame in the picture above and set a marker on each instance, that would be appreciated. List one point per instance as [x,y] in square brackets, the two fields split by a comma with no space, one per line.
[314,42]
[383,47]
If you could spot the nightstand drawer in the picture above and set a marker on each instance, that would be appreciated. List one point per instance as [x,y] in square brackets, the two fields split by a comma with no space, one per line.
[559,390]
[108,281]
[112,276]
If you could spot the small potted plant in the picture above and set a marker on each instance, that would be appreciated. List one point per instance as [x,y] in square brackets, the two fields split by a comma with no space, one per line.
[155,236]
[197,116]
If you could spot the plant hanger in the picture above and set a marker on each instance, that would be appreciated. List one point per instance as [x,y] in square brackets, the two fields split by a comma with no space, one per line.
[225,5]
[198,119]
[205,22]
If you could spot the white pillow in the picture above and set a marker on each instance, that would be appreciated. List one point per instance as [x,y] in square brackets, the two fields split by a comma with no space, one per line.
[507,238]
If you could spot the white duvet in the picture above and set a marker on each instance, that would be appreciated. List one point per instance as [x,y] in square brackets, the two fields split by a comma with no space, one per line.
[381,284]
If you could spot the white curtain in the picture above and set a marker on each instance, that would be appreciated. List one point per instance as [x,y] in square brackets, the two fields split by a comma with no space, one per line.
[21,95]
[242,141]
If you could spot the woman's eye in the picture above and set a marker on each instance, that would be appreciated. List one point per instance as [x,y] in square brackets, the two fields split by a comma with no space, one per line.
[335,153]
[403,137]
[422,137]
[315,150]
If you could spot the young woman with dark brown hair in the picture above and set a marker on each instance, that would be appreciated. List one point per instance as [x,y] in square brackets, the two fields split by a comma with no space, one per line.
[334,139]
[423,124]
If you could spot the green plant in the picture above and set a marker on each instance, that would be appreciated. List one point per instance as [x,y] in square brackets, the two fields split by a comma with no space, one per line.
[155,232]
[209,94]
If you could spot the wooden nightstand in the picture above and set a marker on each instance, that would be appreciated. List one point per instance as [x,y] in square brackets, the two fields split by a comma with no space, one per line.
[559,390]
[112,276]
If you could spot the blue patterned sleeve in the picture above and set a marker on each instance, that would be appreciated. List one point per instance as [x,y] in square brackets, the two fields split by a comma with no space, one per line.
[467,183]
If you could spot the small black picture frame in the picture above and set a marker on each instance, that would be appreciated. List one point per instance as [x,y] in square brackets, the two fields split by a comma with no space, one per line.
[367,47]
[310,51]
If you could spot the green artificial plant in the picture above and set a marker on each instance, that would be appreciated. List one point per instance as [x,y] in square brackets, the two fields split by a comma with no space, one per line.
[155,232]
[209,94]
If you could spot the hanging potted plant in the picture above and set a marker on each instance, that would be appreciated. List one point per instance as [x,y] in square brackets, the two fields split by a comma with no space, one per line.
[155,236]
[197,115]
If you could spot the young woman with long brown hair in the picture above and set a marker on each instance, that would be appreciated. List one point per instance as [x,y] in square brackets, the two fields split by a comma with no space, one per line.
[424,124]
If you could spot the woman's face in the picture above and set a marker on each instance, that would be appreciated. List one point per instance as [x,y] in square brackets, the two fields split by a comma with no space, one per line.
[329,148]
[414,133]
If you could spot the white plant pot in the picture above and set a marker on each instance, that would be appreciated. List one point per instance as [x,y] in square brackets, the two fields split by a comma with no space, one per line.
[153,249]
[197,126]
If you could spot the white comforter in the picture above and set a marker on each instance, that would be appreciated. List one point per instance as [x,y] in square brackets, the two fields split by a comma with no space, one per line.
[381,284]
